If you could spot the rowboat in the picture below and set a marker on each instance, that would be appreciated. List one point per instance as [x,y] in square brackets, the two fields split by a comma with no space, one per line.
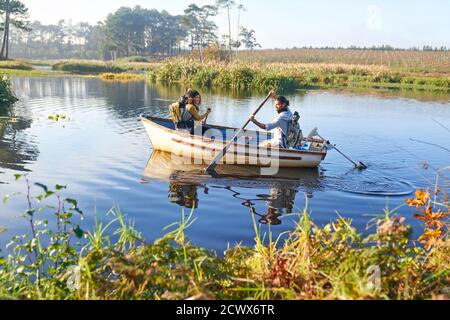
[208,140]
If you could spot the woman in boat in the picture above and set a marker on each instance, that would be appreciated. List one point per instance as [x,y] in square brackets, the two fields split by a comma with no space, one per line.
[192,111]
[279,126]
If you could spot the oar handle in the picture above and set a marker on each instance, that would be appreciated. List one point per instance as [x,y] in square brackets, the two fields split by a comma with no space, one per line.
[227,147]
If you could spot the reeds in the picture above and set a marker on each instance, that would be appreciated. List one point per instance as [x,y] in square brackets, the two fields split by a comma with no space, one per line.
[289,76]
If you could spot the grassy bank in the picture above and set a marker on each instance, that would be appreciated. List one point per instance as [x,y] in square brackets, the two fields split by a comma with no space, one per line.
[15,65]
[86,67]
[112,261]
[7,96]
[131,64]
[286,77]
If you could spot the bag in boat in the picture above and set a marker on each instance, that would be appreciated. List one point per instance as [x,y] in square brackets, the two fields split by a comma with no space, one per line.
[295,134]
[177,110]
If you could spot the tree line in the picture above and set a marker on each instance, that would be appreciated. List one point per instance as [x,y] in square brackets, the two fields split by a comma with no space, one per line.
[127,32]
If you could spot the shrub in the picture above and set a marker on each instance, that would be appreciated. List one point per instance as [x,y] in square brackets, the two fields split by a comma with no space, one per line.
[7,96]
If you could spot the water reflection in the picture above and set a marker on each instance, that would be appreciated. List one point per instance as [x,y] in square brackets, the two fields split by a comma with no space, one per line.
[16,148]
[277,199]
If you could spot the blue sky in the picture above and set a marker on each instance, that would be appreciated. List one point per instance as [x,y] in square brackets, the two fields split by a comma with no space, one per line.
[289,23]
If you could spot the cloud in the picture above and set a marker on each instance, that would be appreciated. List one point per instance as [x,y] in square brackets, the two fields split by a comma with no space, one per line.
[374,17]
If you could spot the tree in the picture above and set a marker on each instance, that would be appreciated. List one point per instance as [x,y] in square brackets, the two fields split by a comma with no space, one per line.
[248,38]
[202,31]
[240,8]
[16,14]
[228,5]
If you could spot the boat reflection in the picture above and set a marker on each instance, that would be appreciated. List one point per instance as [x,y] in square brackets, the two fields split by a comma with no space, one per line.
[187,180]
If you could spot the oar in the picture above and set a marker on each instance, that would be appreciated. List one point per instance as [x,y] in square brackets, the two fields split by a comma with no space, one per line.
[211,168]
[359,165]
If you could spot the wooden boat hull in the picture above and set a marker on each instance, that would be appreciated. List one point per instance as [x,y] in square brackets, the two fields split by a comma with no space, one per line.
[201,150]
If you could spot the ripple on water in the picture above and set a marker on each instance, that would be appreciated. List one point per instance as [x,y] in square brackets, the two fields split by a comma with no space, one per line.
[371,183]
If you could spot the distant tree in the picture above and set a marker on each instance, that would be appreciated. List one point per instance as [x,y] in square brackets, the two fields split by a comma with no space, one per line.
[228,5]
[201,29]
[16,14]
[248,38]
[237,45]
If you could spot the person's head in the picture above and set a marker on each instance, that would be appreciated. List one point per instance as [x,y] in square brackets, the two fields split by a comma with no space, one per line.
[195,98]
[281,104]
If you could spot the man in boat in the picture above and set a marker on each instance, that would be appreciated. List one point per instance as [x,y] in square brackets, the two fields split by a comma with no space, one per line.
[192,111]
[279,126]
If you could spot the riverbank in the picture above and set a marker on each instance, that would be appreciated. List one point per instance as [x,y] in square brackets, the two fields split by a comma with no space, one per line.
[112,261]
[292,76]
[284,77]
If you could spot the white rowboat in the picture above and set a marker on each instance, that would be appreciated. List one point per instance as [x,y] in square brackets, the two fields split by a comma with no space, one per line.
[246,151]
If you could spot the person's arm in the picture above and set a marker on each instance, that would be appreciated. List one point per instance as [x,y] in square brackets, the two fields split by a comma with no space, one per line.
[257,123]
[196,115]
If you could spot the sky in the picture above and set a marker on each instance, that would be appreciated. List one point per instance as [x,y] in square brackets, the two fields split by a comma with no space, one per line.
[293,23]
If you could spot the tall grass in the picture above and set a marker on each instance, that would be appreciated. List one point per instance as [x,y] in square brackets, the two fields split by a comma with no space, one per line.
[286,77]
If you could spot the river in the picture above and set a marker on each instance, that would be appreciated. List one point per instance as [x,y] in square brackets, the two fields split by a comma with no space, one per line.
[103,155]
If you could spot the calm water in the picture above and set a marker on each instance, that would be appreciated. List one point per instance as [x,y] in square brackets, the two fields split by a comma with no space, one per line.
[104,157]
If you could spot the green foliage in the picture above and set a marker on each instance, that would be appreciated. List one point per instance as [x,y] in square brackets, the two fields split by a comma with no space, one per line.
[7,96]
[87,66]
[15,64]
[113,262]
[288,77]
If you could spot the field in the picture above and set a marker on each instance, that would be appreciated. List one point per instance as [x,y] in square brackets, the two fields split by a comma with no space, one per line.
[427,62]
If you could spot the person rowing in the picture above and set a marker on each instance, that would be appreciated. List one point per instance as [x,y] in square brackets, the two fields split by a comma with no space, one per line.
[279,126]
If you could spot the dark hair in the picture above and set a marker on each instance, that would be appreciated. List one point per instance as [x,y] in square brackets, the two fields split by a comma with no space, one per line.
[192,95]
[283,100]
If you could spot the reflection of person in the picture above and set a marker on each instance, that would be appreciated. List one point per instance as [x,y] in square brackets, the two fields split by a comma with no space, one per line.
[279,126]
[184,195]
[282,199]
[280,202]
